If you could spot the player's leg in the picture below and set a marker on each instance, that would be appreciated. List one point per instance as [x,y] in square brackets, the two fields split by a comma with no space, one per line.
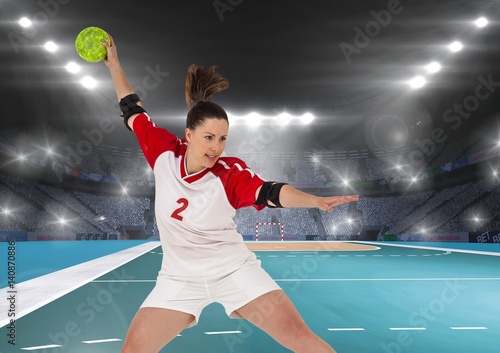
[282,321]
[152,328]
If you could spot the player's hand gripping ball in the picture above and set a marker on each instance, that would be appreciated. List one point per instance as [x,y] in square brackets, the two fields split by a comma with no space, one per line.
[88,44]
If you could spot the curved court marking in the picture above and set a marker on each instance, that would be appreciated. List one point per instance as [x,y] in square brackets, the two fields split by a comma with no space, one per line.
[438,248]
[308,245]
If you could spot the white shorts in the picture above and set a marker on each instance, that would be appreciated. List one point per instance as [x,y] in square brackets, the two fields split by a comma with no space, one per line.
[192,295]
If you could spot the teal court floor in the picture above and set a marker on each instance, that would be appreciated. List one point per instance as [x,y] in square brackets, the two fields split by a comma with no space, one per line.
[396,298]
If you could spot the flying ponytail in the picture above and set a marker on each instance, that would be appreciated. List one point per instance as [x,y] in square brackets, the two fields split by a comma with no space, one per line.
[201,85]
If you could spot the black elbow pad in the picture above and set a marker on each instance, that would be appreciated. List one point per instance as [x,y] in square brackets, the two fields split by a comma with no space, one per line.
[129,107]
[270,192]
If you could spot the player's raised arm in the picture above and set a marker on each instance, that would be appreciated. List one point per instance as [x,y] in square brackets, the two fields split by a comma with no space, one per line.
[130,103]
[274,194]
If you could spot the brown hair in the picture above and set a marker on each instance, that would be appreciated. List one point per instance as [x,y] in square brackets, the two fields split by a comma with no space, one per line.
[201,85]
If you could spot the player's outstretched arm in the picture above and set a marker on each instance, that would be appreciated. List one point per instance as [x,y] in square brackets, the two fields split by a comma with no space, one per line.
[122,86]
[291,197]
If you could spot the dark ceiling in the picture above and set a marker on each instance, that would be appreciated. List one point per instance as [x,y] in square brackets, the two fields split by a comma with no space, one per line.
[347,62]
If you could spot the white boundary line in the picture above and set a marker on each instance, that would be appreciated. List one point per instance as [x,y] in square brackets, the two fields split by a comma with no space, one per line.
[103,341]
[41,347]
[475,252]
[221,332]
[40,291]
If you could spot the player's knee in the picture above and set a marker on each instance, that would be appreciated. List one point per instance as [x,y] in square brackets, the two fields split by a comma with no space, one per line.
[297,335]
[134,343]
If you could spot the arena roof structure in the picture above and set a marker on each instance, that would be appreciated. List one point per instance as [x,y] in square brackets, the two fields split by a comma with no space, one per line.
[307,75]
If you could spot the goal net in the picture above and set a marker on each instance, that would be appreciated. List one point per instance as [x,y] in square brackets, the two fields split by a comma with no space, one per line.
[269,231]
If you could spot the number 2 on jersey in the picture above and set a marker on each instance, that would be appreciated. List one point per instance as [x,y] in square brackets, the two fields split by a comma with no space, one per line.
[184,204]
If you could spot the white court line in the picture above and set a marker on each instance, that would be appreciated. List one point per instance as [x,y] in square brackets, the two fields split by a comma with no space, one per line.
[103,341]
[41,347]
[221,332]
[469,328]
[407,328]
[448,250]
[40,291]
[272,255]
[346,329]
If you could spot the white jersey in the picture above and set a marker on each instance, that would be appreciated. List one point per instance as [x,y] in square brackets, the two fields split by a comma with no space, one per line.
[195,212]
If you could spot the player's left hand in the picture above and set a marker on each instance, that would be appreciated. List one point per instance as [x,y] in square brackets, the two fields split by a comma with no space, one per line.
[112,55]
[328,203]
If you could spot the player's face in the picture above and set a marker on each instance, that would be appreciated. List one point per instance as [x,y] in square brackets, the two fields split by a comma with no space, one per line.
[205,144]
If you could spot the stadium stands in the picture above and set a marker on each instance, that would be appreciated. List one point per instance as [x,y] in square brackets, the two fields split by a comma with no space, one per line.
[29,204]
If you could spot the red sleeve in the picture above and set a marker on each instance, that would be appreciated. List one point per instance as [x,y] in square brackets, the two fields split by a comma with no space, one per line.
[154,140]
[239,181]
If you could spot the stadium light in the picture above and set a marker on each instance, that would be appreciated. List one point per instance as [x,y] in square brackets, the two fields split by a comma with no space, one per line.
[253,119]
[25,22]
[307,118]
[51,47]
[481,22]
[433,67]
[88,82]
[48,150]
[73,67]
[6,211]
[284,119]
[417,82]
[455,46]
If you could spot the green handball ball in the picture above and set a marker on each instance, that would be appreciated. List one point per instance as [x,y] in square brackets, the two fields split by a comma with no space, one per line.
[88,44]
